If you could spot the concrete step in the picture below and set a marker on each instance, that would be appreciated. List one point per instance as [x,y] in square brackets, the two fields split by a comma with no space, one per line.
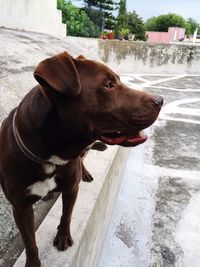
[11,245]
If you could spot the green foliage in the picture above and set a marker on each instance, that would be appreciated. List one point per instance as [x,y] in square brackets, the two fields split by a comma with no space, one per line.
[97,15]
[91,3]
[129,21]
[150,24]
[122,7]
[60,4]
[110,22]
[121,21]
[191,26]
[106,5]
[136,26]
[94,15]
[124,31]
[103,9]
[163,22]
[78,23]
[101,4]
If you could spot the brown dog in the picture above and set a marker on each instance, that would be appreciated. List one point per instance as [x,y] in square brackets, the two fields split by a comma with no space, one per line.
[76,102]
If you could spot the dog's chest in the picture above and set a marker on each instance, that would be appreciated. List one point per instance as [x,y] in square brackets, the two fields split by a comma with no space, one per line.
[42,188]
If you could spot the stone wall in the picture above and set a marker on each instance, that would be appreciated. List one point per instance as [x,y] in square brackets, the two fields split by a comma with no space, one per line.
[141,57]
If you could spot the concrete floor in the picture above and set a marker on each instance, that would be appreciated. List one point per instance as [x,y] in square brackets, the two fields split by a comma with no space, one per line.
[156,220]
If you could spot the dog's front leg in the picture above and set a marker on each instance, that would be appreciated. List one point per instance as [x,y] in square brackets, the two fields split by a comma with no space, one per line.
[63,237]
[24,219]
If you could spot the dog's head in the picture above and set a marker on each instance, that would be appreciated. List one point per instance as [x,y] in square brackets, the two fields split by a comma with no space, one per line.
[92,103]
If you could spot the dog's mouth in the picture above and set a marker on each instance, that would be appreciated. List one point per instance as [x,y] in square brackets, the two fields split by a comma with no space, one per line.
[118,138]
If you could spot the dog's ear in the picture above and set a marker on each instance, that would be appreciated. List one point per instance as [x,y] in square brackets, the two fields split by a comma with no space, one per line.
[59,72]
[80,57]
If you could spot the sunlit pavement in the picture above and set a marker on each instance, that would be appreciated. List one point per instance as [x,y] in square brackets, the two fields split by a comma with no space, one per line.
[156,220]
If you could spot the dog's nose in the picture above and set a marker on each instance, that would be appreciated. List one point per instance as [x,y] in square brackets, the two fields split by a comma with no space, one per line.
[158,100]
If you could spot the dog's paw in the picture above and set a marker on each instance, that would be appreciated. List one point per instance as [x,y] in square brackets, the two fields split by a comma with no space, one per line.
[62,242]
[87,177]
[49,196]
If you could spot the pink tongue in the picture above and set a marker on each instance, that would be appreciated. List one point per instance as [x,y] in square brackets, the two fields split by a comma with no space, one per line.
[135,139]
[140,138]
[113,141]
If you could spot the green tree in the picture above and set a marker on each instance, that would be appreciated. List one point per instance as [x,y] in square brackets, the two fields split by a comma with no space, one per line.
[129,23]
[192,25]
[122,7]
[91,3]
[78,23]
[163,22]
[136,26]
[60,4]
[103,9]
[94,15]
[121,21]
[150,24]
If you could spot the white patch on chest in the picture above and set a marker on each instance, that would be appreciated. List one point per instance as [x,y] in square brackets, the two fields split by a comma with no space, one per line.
[58,161]
[42,188]
[49,168]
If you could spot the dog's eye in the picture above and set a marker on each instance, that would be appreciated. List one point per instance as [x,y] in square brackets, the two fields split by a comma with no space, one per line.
[108,85]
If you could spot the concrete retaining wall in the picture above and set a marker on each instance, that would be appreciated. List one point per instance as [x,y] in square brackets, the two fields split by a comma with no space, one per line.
[141,57]
[32,15]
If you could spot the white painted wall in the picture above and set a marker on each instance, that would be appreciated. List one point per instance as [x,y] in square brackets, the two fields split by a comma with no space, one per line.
[32,15]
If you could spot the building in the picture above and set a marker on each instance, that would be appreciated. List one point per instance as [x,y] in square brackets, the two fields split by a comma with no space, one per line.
[174,34]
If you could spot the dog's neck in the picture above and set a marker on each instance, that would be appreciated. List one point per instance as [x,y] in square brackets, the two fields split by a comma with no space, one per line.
[40,129]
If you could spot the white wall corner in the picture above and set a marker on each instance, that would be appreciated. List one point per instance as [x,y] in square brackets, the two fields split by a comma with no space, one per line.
[33,15]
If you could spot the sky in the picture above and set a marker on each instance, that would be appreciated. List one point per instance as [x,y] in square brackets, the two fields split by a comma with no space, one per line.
[149,8]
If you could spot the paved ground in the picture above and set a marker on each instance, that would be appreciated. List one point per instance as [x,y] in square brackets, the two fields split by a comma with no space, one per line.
[156,220]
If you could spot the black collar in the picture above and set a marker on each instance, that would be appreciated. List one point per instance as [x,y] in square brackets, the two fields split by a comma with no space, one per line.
[24,148]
